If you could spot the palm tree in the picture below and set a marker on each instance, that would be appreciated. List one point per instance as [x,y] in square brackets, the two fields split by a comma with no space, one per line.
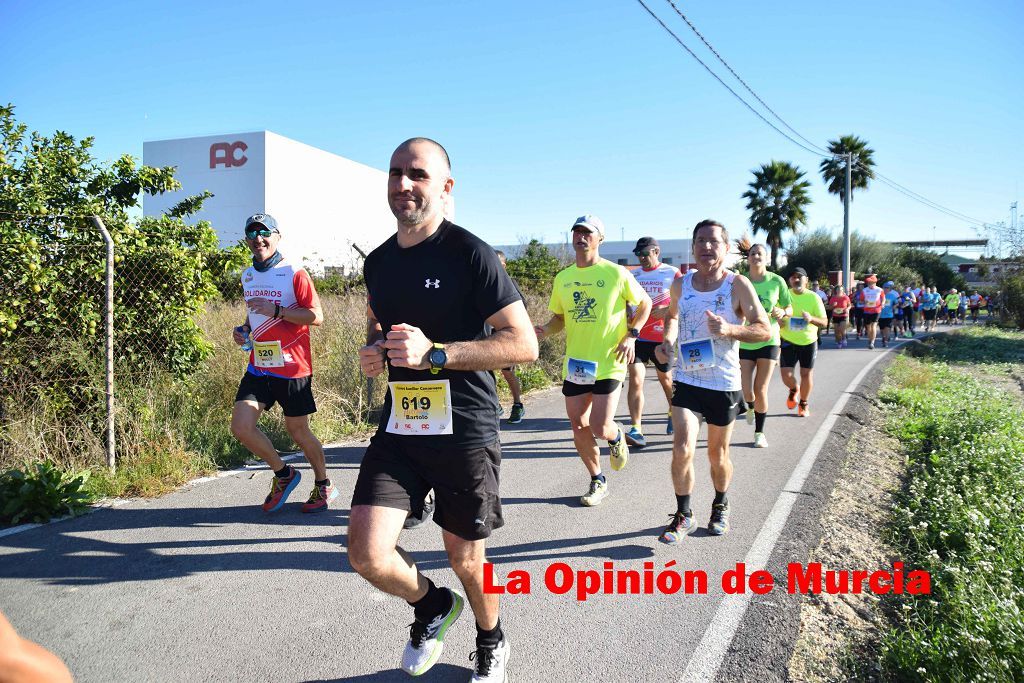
[777,200]
[833,171]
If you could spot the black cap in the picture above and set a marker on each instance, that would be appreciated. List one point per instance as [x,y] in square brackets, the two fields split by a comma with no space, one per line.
[798,271]
[645,243]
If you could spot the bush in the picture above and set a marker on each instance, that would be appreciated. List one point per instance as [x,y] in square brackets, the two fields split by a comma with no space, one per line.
[39,493]
[1011,289]
[960,518]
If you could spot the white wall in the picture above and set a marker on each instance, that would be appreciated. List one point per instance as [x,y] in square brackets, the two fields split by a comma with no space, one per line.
[322,202]
[238,189]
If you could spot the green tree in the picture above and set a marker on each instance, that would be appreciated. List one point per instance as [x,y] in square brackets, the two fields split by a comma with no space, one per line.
[51,324]
[833,170]
[777,201]
[930,267]
[535,267]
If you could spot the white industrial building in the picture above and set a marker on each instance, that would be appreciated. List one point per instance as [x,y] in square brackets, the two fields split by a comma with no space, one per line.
[329,208]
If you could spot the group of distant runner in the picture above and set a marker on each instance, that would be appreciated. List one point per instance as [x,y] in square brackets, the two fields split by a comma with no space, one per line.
[443,317]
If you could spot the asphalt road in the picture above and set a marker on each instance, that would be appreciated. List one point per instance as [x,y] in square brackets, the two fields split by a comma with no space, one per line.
[201,585]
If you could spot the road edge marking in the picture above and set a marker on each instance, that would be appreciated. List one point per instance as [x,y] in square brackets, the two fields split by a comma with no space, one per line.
[710,652]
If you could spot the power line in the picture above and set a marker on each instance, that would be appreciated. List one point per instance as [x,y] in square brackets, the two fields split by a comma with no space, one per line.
[764,104]
[814,148]
[920,198]
[726,85]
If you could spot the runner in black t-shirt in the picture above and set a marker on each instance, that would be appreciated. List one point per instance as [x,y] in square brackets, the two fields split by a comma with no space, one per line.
[432,289]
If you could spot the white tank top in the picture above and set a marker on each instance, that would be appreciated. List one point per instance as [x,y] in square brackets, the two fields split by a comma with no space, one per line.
[724,373]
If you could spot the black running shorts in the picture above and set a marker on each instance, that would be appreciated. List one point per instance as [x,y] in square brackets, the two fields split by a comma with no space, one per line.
[294,395]
[884,323]
[645,354]
[796,353]
[396,472]
[719,408]
[600,387]
[767,352]
[869,318]
[929,313]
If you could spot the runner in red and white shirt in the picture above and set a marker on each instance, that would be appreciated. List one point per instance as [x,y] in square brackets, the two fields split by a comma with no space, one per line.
[656,278]
[282,303]
[872,298]
[839,302]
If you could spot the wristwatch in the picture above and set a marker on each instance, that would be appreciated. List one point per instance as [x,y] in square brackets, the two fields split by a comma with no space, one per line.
[437,358]
[634,333]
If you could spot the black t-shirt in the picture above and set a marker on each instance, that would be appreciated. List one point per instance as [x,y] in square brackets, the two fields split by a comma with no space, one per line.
[447,285]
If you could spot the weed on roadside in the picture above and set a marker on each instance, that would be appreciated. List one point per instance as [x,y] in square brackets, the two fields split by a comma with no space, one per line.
[961,514]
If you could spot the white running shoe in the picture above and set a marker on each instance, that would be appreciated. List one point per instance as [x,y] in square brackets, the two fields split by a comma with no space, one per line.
[750,416]
[760,441]
[426,641]
[598,491]
[491,664]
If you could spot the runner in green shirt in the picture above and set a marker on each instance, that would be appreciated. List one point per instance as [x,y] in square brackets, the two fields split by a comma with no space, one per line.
[589,301]
[799,334]
[757,360]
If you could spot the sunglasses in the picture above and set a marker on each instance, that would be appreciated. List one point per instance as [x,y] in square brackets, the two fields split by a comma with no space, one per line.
[263,232]
[645,252]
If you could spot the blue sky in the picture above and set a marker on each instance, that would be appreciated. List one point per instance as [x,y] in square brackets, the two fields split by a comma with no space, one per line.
[550,110]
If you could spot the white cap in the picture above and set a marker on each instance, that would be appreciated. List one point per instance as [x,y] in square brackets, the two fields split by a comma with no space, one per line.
[592,223]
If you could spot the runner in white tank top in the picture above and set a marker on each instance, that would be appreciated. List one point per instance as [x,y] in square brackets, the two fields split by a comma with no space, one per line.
[724,372]
[704,326]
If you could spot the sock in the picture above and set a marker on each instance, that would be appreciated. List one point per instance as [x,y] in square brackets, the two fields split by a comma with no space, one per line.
[599,477]
[802,403]
[683,504]
[489,638]
[323,482]
[614,441]
[759,419]
[284,472]
[635,426]
[720,497]
[435,602]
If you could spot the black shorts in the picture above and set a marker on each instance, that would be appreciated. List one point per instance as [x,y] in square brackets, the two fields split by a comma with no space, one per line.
[645,353]
[294,395]
[795,353]
[884,323]
[398,473]
[870,318]
[929,313]
[768,352]
[836,319]
[600,387]
[719,408]
[857,313]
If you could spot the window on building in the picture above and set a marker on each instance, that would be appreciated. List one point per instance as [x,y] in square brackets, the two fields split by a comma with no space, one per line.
[623,262]
[667,259]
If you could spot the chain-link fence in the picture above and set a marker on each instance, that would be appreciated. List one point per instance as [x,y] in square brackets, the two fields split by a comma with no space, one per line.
[173,368]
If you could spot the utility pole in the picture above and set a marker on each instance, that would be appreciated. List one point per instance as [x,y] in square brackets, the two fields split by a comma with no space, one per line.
[847,279]
[622,233]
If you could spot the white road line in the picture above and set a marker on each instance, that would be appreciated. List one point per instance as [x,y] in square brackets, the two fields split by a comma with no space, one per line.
[709,653]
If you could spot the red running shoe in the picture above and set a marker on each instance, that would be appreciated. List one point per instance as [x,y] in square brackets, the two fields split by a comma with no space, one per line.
[320,498]
[279,490]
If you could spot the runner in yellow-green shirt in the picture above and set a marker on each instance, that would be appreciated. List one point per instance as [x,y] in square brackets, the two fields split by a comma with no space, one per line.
[799,333]
[589,301]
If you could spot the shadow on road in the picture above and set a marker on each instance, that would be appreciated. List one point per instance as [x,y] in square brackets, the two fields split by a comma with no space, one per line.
[439,672]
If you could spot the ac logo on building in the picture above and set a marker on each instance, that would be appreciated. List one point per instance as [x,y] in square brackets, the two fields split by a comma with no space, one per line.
[228,154]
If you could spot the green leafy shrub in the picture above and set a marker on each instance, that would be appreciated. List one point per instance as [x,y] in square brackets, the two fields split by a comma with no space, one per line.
[960,518]
[40,493]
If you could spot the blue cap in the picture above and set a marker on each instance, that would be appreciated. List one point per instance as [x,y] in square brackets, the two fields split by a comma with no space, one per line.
[889,283]
[264,219]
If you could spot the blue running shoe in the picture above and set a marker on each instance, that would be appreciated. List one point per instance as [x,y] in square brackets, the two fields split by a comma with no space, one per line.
[635,438]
